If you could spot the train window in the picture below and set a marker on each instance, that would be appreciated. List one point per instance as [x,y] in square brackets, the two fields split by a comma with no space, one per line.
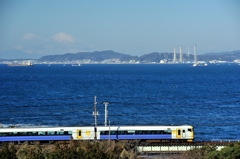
[190,130]
[183,131]
[169,131]
[179,132]
[60,132]
[34,133]
[113,132]
[22,133]
[3,134]
[121,133]
[51,133]
[104,132]
[41,133]
[131,131]
[145,132]
[166,132]
[138,132]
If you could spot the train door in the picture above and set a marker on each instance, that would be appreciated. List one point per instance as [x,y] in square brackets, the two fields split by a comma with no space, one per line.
[183,133]
[79,134]
[179,134]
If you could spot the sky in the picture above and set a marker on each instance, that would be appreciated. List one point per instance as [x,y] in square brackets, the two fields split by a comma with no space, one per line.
[35,28]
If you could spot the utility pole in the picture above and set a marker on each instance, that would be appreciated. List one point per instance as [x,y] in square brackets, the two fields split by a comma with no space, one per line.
[109,133]
[95,114]
[106,112]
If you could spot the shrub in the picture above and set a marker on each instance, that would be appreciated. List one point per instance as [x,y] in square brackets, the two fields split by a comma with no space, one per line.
[8,152]
[231,151]
[72,150]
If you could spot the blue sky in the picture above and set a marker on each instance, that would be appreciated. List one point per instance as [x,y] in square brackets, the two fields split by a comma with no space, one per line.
[34,28]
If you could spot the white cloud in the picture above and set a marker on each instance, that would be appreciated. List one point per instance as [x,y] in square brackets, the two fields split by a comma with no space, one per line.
[19,47]
[30,36]
[63,37]
[59,43]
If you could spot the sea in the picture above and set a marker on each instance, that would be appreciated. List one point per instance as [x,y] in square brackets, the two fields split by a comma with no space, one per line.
[208,98]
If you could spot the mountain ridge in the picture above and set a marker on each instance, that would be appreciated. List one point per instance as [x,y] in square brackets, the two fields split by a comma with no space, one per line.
[151,57]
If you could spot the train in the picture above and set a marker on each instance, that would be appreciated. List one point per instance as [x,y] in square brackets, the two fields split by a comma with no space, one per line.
[183,133]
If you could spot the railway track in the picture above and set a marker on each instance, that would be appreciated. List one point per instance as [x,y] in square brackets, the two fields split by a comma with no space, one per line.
[172,148]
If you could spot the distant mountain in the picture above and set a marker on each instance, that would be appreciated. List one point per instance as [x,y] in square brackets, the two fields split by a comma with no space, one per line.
[93,56]
[99,56]
[105,55]
[224,56]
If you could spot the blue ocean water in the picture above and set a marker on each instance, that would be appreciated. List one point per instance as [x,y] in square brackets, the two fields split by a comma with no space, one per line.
[206,97]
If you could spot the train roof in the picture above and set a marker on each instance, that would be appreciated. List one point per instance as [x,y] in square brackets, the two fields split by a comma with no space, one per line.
[65,128]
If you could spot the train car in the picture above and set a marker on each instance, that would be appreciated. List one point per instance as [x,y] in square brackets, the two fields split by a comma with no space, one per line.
[174,133]
[36,134]
[161,133]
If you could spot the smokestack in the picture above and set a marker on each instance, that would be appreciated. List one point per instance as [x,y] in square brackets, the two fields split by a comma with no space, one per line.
[195,54]
[174,55]
[180,58]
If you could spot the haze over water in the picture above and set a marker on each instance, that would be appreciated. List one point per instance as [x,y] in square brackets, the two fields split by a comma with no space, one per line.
[205,97]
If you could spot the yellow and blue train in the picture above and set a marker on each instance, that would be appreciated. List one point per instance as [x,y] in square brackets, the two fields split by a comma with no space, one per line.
[162,133]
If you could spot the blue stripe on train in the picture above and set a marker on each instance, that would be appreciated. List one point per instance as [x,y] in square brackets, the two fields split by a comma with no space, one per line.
[123,137]
[35,138]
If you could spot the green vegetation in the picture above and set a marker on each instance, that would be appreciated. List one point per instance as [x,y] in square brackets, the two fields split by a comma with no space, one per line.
[231,151]
[103,150]
[70,150]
